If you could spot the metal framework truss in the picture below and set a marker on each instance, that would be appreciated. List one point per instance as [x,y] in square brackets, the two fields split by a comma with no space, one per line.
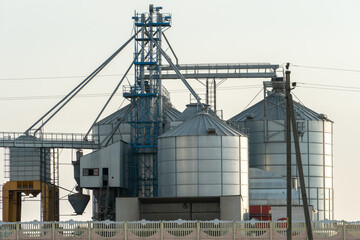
[243,70]
[146,96]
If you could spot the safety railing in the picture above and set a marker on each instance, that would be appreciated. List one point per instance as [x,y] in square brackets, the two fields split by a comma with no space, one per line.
[224,70]
[179,229]
[56,140]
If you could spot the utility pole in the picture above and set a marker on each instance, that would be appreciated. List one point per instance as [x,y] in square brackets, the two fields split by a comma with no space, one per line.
[290,116]
[288,155]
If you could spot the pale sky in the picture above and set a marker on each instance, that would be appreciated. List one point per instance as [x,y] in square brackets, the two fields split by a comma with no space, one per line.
[71,38]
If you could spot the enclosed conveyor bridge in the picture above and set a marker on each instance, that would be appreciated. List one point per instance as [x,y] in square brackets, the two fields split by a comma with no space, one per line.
[48,140]
[235,70]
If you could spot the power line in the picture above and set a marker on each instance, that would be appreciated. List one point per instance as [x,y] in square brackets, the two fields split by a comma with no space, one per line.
[58,77]
[334,89]
[326,68]
[107,94]
[326,85]
[253,98]
[52,97]
[175,91]
[118,74]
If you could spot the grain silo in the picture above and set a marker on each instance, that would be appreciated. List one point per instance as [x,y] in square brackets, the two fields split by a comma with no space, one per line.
[116,124]
[265,124]
[203,157]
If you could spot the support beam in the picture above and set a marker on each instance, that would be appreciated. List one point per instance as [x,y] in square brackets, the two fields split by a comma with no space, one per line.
[55,109]
[174,68]
[172,50]
[111,96]
[12,191]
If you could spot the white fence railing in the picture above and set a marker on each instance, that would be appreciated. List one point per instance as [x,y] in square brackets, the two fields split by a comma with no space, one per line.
[171,230]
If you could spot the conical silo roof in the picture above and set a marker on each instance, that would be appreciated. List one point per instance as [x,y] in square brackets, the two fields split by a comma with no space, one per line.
[191,110]
[115,116]
[170,112]
[276,110]
[202,124]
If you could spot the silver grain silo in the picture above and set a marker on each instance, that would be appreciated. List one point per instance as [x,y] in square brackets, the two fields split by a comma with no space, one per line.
[190,111]
[265,124]
[104,127]
[30,164]
[203,157]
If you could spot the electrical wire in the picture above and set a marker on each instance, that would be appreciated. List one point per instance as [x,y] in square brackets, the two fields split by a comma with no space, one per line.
[253,98]
[91,95]
[175,91]
[333,89]
[326,68]
[297,98]
[326,85]
[120,74]
[121,103]
[58,77]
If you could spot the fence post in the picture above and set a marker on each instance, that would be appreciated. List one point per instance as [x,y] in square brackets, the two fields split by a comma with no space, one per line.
[17,230]
[89,229]
[53,231]
[198,230]
[161,230]
[271,229]
[344,227]
[234,229]
[125,229]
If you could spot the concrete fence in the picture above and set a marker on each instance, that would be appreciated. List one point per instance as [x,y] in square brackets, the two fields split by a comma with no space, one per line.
[173,230]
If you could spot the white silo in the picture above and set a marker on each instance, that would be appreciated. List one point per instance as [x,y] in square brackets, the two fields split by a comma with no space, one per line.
[265,124]
[203,157]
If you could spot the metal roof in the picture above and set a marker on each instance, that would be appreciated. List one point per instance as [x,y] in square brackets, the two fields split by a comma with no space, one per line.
[276,110]
[191,110]
[115,116]
[202,124]
[170,112]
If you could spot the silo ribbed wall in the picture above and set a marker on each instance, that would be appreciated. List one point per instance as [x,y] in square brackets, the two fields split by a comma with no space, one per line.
[267,147]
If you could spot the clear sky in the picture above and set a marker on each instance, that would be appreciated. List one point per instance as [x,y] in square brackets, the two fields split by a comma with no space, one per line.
[42,38]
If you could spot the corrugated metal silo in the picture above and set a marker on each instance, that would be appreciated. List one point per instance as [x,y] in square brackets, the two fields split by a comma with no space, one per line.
[190,111]
[30,164]
[105,126]
[203,157]
[265,124]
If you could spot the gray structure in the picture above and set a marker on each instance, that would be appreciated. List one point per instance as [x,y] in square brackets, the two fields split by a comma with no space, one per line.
[116,123]
[104,172]
[185,208]
[107,125]
[265,124]
[269,189]
[104,167]
[189,112]
[108,170]
[29,164]
[203,157]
